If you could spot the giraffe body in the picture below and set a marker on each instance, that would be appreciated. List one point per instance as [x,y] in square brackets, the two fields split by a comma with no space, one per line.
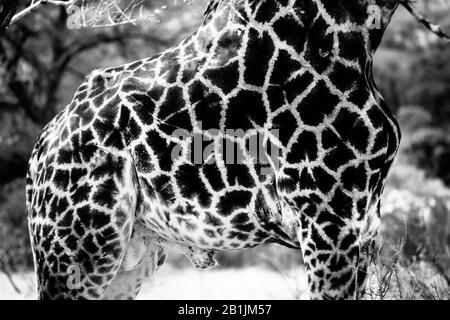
[106,195]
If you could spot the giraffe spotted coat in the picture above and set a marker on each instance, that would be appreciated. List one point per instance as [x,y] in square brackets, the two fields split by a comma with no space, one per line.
[106,197]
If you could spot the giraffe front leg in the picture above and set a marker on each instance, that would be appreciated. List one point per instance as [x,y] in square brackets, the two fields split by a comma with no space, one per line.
[336,257]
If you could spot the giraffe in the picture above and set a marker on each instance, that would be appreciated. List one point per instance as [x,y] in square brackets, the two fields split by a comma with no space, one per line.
[107,198]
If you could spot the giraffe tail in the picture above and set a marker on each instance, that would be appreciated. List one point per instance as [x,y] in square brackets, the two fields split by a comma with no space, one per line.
[422,20]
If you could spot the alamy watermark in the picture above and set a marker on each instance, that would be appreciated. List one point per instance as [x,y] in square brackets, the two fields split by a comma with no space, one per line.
[229,146]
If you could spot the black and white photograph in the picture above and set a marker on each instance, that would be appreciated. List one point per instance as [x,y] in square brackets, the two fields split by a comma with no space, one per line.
[224,150]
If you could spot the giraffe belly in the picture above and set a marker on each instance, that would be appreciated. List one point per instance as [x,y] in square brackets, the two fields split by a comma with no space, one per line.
[202,230]
[186,222]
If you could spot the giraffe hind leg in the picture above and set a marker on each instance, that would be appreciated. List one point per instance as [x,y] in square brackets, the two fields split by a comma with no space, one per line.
[80,230]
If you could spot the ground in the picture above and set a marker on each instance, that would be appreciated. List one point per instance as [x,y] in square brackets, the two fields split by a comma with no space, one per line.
[252,283]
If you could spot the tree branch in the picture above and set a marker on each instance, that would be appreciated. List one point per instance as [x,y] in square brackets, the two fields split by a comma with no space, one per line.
[38,3]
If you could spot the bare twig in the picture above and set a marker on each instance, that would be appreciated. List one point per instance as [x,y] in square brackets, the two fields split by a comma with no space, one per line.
[35,4]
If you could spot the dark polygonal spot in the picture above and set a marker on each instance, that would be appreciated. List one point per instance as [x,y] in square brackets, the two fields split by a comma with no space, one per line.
[330,139]
[344,122]
[162,149]
[110,110]
[134,84]
[276,98]
[81,193]
[306,181]
[86,136]
[306,205]
[341,204]
[144,112]
[102,129]
[233,200]
[286,124]
[332,231]
[66,221]
[156,92]
[84,215]
[245,108]
[351,46]
[71,242]
[84,259]
[113,249]
[260,49]
[64,155]
[76,174]
[327,217]
[283,68]
[173,103]
[266,11]
[100,219]
[288,181]
[381,141]
[318,104]
[207,106]
[378,162]
[84,112]
[240,218]
[178,121]
[115,140]
[359,136]
[109,166]
[338,156]
[142,159]
[355,178]
[318,241]
[344,78]
[212,174]
[349,240]
[134,131]
[191,185]
[210,233]
[361,94]
[61,179]
[239,174]
[304,148]
[377,117]
[89,245]
[79,228]
[212,220]
[170,66]
[248,227]
[163,188]
[337,263]
[105,194]
[134,65]
[124,117]
[289,30]
[225,77]
[324,180]
[320,45]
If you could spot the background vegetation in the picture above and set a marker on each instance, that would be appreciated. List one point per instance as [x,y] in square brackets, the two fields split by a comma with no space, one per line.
[43,62]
